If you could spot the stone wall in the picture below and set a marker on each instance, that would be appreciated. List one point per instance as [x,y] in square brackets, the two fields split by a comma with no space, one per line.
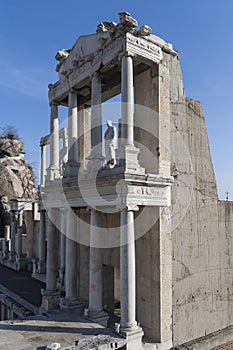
[201,224]
[202,263]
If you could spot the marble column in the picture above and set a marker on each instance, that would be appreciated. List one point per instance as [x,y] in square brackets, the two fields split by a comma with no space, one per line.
[54,142]
[3,312]
[13,233]
[51,296]
[62,247]
[127,152]
[20,233]
[127,272]
[127,98]
[10,314]
[43,165]
[71,276]
[96,114]
[95,308]
[42,252]
[72,126]
[7,241]
[96,157]
[51,268]
[72,166]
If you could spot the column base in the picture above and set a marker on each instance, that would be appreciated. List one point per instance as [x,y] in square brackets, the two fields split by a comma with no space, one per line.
[41,267]
[60,281]
[161,346]
[133,338]
[34,266]
[53,174]
[95,162]
[71,169]
[21,262]
[5,255]
[72,304]
[12,257]
[128,159]
[50,300]
[100,317]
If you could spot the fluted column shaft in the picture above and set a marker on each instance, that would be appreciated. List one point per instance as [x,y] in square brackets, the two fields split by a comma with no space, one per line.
[43,165]
[52,263]
[71,256]
[63,239]
[72,126]
[42,252]
[20,232]
[95,284]
[96,115]
[127,99]
[127,271]
[13,233]
[54,142]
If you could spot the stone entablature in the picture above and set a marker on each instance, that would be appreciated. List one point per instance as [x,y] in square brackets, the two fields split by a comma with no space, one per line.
[118,191]
[77,65]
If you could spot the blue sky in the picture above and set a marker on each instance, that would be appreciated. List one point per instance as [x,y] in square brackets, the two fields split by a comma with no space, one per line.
[31,32]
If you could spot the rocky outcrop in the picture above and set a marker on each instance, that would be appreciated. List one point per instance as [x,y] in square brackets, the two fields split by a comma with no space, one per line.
[16,177]
[10,148]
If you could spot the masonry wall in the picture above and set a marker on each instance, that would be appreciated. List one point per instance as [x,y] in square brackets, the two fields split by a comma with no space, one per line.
[202,226]
[202,259]
[153,247]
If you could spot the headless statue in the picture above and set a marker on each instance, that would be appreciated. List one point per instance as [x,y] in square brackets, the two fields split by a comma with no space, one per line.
[110,145]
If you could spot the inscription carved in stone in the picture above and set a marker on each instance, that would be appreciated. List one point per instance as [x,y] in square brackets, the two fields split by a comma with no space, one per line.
[143,48]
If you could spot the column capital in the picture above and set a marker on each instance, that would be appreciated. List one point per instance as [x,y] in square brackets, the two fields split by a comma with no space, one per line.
[13,213]
[54,104]
[132,207]
[126,54]
[73,91]
[95,75]
[64,210]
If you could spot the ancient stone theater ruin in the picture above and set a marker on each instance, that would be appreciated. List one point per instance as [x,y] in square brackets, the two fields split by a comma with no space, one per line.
[132,233]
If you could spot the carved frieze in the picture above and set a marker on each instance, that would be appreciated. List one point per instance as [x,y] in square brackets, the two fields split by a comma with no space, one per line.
[84,68]
[143,48]
[81,73]
[105,26]
[112,50]
[85,194]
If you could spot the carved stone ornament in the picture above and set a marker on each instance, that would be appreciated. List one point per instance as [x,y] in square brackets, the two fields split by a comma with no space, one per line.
[144,31]
[105,27]
[143,48]
[62,55]
[66,73]
[125,18]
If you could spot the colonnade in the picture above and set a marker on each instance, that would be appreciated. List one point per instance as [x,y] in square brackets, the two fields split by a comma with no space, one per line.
[68,224]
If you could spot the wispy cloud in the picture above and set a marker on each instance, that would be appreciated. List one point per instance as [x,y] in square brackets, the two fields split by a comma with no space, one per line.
[29,82]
